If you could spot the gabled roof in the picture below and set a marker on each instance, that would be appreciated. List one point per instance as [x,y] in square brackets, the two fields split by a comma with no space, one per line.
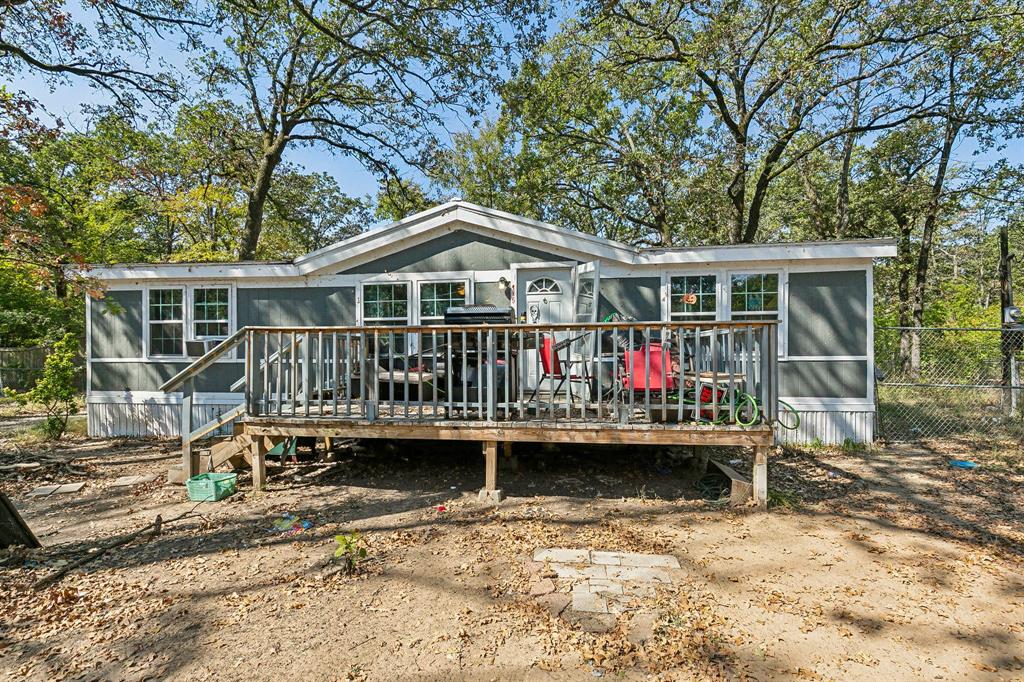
[462,215]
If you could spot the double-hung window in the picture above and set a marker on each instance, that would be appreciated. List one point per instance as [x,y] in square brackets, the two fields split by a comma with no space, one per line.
[755,296]
[387,304]
[437,297]
[693,298]
[210,313]
[179,314]
[435,300]
[166,322]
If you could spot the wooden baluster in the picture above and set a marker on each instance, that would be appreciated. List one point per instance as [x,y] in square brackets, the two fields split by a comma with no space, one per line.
[681,388]
[732,375]
[714,374]
[464,352]
[632,372]
[698,363]
[280,370]
[480,374]
[449,367]
[335,374]
[507,378]
[647,371]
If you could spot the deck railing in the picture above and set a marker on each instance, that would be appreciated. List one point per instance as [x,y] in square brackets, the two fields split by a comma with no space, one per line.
[616,372]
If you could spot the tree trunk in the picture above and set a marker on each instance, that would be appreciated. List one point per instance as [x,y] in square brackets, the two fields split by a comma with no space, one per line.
[842,220]
[905,227]
[273,149]
[738,190]
[931,220]
[1005,301]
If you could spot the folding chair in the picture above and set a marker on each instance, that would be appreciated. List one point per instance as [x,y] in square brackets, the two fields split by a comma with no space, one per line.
[553,367]
[639,376]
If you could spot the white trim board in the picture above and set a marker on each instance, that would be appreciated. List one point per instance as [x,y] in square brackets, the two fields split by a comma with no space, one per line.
[830,404]
[158,398]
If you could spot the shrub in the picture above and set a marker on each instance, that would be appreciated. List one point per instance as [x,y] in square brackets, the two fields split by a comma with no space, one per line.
[56,388]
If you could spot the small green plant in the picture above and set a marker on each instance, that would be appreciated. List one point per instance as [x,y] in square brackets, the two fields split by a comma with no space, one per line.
[781,498]
[850,445]
[816,444]
[55,389]
[351,550]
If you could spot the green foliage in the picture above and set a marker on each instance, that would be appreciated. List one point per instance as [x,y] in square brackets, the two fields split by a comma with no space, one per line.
[56,389]
[351,550]
[783,499]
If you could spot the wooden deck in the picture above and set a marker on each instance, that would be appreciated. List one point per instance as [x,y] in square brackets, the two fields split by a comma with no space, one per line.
[689,384]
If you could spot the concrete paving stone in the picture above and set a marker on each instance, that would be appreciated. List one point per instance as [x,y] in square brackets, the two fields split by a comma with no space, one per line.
[43,490]
[597,622]
[565,571]
[534,566]
[585,601]
[544,586]
[563,556]
[638,589]
[600,585]
[132,480]
[648,560]
[639,574]
[69,488]
[555,602]
[607,558]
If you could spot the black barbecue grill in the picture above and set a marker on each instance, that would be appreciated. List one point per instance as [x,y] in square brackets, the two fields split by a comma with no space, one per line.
[478,314]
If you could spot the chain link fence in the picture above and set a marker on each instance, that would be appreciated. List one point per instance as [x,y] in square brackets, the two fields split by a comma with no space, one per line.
[945,382]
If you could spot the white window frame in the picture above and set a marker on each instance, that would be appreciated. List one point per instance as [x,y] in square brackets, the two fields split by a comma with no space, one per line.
[387,282]
[429,319]
[683,317]
[724,295]
[188,296]
[183,321]
[194,320]
[725,298]
[780,304]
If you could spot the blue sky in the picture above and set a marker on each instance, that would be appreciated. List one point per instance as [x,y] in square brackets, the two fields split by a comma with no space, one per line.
[66,101]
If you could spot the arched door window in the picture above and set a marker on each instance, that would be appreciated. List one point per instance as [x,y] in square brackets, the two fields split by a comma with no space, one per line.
[544,285]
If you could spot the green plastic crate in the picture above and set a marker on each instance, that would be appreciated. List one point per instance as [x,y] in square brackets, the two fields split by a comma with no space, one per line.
[211,487]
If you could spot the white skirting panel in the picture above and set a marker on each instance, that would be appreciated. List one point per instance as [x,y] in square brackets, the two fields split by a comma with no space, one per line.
[831,427]
[110,419]
[147,418]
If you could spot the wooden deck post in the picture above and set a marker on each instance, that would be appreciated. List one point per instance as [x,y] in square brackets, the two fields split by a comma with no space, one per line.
[761,476]
[259,462]
[189,458]
[490,493]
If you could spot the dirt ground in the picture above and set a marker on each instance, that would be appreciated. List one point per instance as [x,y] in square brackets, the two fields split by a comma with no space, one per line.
[874,565]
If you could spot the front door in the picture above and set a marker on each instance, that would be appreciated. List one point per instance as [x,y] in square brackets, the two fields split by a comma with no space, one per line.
[548,295]
[545,298]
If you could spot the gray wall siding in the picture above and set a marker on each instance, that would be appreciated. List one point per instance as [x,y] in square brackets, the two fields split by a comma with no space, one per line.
[638,297]
[828,313]
[148,376]
[297,307]
[117,325]
[823,379]
[459,250]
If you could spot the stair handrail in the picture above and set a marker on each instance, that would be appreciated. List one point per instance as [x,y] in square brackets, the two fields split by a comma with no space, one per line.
[205,360]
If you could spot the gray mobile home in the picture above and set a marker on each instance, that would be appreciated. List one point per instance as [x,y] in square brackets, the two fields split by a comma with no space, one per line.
[400,280]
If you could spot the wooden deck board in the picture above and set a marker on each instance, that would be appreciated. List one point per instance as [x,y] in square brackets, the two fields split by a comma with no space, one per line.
[514,431]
